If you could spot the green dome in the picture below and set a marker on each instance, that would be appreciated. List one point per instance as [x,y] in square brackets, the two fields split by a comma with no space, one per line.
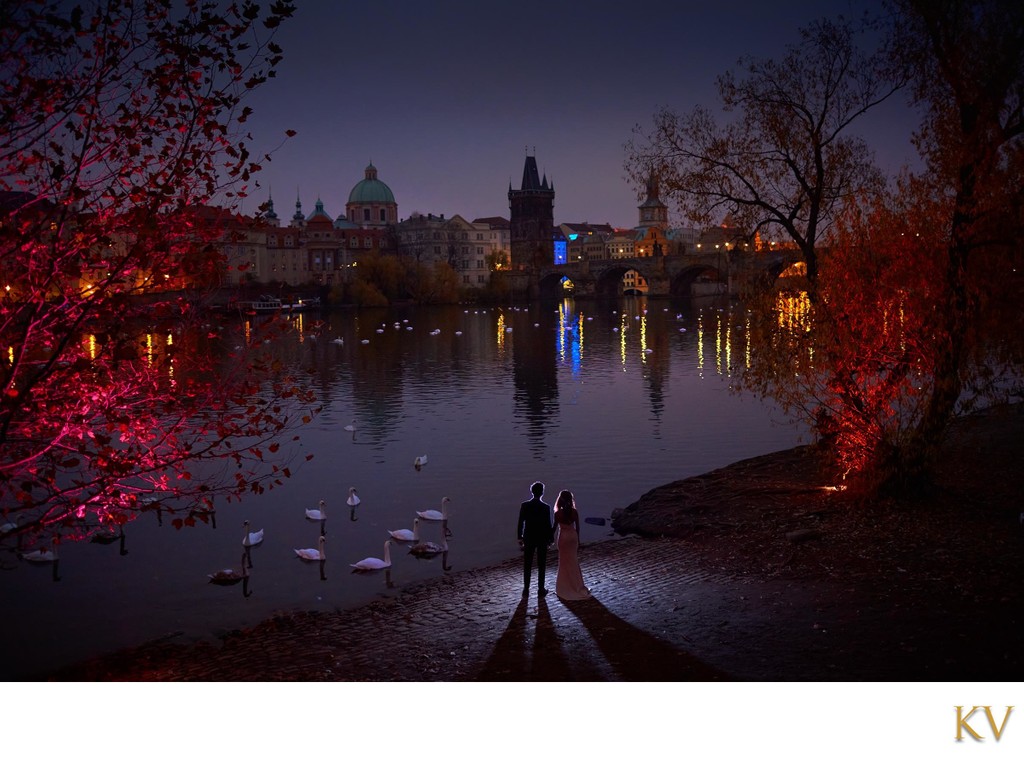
[370,189]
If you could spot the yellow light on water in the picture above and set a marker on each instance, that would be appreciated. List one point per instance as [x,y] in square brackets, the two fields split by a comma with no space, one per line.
[643,338]
[700,343]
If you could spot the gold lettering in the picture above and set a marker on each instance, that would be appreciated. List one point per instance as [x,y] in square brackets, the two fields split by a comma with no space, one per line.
[998,731]
[961,724]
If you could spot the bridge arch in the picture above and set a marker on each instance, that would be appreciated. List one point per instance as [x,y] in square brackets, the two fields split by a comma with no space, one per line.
[550,285]
[683,281]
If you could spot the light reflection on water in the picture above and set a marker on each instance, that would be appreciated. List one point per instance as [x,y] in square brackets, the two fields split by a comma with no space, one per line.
[606,399]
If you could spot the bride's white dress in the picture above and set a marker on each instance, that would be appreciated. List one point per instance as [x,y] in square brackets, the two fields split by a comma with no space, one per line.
[569,583]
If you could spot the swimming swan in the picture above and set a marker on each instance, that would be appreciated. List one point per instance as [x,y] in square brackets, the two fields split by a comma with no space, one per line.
[317,514]
[372,563]
[229,576]
[313,554]
[420,461]
[430,549]
[251,538]
[407,535]
[432,515]
[43,555]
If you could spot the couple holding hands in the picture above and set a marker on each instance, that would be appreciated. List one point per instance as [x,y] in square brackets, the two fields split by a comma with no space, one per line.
[536,530]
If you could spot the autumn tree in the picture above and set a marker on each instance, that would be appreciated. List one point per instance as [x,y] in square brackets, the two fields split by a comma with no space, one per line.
[119,121]
[918,312]
[965,61]
[785,159]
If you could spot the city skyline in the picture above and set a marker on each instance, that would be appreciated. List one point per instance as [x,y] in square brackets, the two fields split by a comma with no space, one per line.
[447,105]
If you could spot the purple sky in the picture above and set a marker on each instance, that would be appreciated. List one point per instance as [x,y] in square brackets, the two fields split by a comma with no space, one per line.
[444,98]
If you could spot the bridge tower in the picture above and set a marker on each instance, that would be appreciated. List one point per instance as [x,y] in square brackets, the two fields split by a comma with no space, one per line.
[532,219]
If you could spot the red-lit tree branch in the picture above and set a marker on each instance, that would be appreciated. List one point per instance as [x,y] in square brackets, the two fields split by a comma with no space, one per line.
[119,121]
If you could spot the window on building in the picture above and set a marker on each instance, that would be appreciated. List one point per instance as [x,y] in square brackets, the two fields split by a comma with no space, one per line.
[465,279]
[367,242]
[465,264]
[479,263]
[480,279]
[465,251]
[479,235]
[383,215]
[479,251]
[354,242]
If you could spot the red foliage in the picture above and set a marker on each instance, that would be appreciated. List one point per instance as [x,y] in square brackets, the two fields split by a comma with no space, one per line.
[117,126]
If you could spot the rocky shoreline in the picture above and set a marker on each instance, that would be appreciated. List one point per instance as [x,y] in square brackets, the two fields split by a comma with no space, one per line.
[754,571]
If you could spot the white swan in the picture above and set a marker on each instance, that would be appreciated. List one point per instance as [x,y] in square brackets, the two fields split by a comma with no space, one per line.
[43,555]
[313,554]
[372,563]
[251,538]
[353,498]
[351,426]
[407,535]
[432,515]
[317,514]
[339,341]
[229,576]
[420,461]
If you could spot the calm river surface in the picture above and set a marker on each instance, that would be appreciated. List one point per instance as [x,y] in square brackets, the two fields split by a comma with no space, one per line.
[608,399]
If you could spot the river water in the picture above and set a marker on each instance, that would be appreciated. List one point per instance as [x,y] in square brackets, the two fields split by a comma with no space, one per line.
[608,399]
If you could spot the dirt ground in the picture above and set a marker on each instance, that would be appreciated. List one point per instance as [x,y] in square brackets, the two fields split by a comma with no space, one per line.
[750,572]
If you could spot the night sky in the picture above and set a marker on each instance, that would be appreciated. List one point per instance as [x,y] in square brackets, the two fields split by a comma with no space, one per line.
[445,98]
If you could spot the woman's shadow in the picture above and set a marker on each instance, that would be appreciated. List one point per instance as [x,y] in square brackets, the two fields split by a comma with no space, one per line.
[632,654]
[635,655]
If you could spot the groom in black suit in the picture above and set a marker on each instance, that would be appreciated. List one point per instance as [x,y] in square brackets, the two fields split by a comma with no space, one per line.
[535,532]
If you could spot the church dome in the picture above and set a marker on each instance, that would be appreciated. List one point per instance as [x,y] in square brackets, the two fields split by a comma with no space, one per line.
[371,189]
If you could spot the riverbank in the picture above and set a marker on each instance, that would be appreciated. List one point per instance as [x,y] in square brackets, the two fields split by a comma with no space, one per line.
[750,572]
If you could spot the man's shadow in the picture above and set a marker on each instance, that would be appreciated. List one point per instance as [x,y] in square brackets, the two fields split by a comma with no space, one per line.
[518,657]
[635,655]
[537,652]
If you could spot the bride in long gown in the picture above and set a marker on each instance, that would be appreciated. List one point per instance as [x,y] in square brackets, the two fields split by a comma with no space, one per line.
[569,583]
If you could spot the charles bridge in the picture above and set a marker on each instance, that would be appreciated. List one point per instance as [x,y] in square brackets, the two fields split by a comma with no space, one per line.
[736,272]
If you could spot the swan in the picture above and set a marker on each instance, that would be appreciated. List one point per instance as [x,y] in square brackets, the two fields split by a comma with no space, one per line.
[407,535]
[365,341]
[339,341]
[429,549]
[43,555]
[251,538]
[372,563]
[353,498]
[317,514]
[229,576]
[351,426]
[432,515]
[420,461]
[313,554]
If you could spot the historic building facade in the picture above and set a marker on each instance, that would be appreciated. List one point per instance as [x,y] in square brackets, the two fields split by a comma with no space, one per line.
[320,250]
